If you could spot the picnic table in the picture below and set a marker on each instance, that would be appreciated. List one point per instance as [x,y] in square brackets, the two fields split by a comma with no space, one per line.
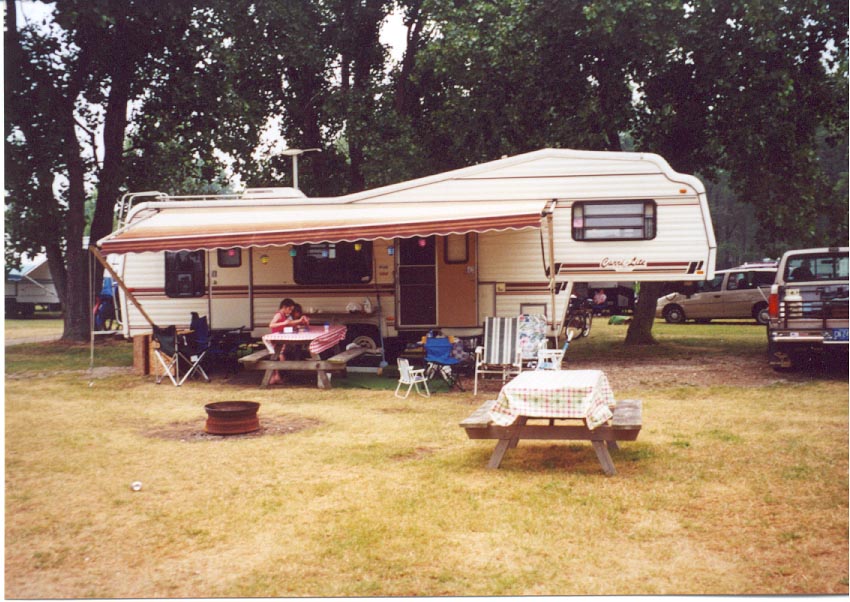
[316,339]
[581,396]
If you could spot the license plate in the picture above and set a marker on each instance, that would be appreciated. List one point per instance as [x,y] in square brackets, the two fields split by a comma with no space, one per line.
[839,334]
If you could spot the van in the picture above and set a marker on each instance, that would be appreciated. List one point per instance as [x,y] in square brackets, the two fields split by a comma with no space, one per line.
[740,292]
[809,307]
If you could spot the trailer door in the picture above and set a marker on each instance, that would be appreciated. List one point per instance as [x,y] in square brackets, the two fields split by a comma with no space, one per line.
[457,285]
[417,281]
[229,290]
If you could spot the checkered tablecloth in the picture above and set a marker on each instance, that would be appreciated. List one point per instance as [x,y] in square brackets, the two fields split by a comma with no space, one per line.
[319,340]
[556,394]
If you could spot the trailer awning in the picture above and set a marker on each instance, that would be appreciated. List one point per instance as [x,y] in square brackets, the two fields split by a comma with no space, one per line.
[171,227]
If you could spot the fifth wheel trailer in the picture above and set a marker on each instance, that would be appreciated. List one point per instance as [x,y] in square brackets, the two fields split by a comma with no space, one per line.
[442,252]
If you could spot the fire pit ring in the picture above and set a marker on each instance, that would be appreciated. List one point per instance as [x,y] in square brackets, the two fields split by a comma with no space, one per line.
[232,417]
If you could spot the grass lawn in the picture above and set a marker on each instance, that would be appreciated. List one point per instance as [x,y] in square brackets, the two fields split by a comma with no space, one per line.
[729,489]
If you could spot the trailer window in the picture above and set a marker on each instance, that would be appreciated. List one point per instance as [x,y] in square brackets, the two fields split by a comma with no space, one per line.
[620,220]
[229,258]
[333,263]
[184,274]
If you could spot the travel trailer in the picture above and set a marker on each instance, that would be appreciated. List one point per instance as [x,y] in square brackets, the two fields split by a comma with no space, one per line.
[29,287]
[441,252]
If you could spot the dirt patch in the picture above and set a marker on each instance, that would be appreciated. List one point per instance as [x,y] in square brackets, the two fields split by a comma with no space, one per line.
[193,430]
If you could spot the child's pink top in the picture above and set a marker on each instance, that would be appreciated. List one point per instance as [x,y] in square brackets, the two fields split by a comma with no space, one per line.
[279,327]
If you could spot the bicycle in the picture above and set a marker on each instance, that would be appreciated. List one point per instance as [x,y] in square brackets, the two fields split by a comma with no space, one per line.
[579,319]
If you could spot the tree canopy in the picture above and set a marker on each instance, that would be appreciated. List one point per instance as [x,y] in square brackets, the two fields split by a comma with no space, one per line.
[115,95]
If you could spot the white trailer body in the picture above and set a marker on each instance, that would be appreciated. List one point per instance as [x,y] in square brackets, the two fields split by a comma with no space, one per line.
[445,251]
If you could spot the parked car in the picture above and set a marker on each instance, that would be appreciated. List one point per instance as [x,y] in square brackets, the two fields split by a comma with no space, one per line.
[809,307]
[740,292]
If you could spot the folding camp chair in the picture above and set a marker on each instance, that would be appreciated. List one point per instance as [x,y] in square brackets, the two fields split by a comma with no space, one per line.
[165,351]
[532,337]
[172,348]
[411,377]
[500,353]
[439,358]
[196,345]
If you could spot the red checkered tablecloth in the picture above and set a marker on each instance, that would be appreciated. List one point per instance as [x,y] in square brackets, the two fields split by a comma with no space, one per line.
[319,339]
[583,394]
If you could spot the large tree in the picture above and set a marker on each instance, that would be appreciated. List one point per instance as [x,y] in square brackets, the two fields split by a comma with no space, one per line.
[72,82]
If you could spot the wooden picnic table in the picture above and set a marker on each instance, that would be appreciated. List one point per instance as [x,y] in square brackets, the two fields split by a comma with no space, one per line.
[316,339]
[583,397]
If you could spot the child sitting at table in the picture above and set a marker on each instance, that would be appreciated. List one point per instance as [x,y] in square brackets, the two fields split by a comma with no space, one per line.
[297,316]
[281,320]
[298,321]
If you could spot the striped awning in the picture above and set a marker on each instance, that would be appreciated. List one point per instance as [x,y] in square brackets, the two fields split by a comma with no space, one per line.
[192,227]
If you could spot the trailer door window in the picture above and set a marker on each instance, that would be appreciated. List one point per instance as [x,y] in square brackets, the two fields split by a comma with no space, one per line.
[610,220]
[333,263]
[184,274]
[230,258]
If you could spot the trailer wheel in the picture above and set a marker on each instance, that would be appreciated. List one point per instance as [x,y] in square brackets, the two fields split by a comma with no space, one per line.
[674,314]
[367,337]
[761,314]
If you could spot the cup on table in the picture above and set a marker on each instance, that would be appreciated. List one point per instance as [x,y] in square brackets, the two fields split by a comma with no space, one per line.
[327,327]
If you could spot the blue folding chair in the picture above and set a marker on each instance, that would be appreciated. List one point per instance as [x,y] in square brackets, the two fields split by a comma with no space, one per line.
[439,361]
[196,345]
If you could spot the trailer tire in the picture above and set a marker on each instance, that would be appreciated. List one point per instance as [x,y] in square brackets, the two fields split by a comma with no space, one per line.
[364,336]
[673,314]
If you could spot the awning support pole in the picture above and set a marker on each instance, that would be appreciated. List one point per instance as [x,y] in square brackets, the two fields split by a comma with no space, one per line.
[99,256]
[550,223]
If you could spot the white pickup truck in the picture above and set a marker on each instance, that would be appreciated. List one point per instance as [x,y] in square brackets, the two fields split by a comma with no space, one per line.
[809,307]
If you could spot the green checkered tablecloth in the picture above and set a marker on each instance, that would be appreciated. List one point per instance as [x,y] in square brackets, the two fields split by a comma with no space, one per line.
[583,394]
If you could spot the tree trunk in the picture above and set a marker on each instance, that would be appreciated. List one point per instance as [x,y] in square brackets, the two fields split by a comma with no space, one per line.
[114,132]
[640,328]
[78,290]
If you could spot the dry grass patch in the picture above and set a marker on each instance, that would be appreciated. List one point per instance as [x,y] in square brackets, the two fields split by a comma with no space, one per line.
[728,490]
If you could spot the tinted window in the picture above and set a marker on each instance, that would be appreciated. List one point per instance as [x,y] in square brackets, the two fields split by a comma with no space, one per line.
[816,266]
[229,258]
[333,263]
[184,274]
[709,286]
[417,251]
[764,278]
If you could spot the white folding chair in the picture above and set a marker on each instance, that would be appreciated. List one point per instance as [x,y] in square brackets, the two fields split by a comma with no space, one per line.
[549,359]
[412,378]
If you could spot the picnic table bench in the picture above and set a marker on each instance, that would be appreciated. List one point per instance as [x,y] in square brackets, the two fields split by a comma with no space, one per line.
[264,360]
[624,426]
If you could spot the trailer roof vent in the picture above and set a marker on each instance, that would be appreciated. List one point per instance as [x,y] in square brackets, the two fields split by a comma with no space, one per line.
[273,193]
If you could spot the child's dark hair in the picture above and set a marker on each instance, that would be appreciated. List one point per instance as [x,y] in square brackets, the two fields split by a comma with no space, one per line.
[286,303]
[296,309]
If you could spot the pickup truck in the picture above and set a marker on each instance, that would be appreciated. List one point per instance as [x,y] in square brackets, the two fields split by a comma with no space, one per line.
[808,307]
